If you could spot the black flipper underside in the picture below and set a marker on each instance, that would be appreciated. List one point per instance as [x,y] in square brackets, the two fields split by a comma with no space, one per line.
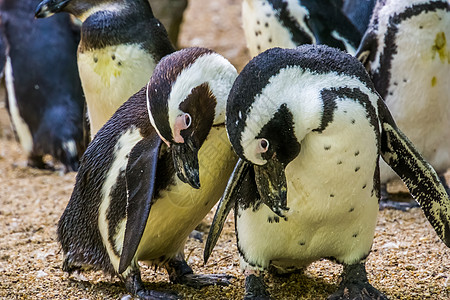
[418,175]
[140,179]
[227,202]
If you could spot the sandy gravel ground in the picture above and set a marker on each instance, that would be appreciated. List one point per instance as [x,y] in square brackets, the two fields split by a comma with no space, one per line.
[408,261]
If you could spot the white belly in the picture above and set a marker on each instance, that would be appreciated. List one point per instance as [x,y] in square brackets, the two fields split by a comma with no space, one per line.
[181,209]
[110,76]
[332,207]
[419,94]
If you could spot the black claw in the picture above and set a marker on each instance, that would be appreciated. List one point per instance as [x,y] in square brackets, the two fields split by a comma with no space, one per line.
[134,286]
[255,288]
[180,272]
[355,285]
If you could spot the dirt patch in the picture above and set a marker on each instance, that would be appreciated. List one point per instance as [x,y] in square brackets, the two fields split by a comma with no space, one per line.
[408,261]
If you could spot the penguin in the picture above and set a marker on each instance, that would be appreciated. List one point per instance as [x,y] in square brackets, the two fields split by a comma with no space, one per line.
[309,129]
[137,194]
[289,23]
[43,90]
[121,42]
[407,56]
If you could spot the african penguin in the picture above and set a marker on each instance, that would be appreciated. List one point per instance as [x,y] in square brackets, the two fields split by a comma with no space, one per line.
[130,202]
[406,53]
[309,128]
[44,95]
[289,23]
[121,42]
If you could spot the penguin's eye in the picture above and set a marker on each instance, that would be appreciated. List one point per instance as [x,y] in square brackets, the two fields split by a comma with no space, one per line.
[187,120]
[263,146]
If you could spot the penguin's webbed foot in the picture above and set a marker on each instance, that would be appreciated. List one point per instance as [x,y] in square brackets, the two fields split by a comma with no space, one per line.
[155,295]
[37,162]
[400,201]
[355,285]
[180,272]
[134,286]
[358,291]
[201,280]
[255,288]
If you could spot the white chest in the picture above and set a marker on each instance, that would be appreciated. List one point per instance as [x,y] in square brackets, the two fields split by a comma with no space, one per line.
[332,207]
[419,86]
[180,209]
[110,76]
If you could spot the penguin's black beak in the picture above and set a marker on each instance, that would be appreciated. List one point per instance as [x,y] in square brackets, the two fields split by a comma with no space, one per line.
[272,187]
[241,185]
[185,159]
[49,7]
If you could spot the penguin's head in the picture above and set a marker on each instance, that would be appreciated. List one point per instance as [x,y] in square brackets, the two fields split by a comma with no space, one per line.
[79,8]
[186,96]
[275,103]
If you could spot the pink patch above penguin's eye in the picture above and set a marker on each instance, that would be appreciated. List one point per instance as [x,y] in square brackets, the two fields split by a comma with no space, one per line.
[182,122]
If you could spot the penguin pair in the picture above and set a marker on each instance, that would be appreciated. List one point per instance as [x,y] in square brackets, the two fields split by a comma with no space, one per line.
[152,173]
[310,128]
[290,23]
[44,94]
[121,42]
[406,53]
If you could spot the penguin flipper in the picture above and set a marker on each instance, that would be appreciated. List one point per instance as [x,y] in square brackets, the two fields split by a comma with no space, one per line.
[227,201]
[329,19]
[418,175]
[140,174]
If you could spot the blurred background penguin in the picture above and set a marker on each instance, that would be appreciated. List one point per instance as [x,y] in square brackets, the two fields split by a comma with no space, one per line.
[44,96]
